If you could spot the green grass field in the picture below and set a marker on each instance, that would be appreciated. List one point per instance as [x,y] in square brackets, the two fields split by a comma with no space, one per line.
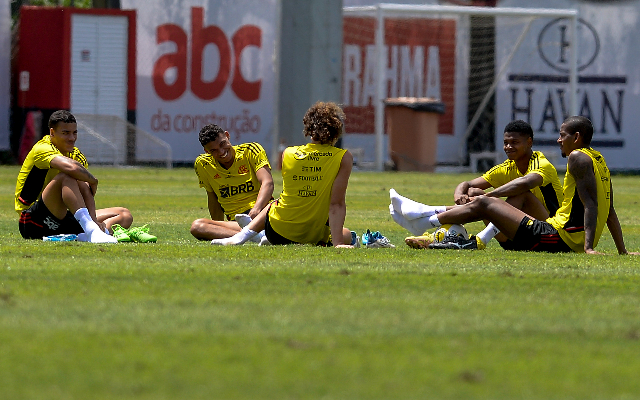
[181,319]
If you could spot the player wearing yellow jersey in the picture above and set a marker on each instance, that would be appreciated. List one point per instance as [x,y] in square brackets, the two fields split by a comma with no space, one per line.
[55,191]
[586,207]
[314,186]
[237,180]
[526,179]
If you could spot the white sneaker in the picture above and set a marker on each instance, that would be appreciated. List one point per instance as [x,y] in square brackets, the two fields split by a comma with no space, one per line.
[264,241]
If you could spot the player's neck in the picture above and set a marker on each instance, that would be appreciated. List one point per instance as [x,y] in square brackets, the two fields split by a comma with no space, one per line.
[523,162]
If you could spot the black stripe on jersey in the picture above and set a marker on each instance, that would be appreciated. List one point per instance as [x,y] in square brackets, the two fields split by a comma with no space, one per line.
[534,162]
[78,156]
[550,199]
[252,147]
[576,218]
[33,185]
[503,164]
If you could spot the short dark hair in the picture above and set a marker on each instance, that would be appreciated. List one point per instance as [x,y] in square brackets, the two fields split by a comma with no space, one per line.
[59,116]
[519,126]
[324,122]
[209,133]
[580,124]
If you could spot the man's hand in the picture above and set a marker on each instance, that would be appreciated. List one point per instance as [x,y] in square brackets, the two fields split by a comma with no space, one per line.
[463,199]
[254,212]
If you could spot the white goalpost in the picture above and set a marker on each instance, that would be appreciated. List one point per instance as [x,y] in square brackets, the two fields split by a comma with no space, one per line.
[465,118]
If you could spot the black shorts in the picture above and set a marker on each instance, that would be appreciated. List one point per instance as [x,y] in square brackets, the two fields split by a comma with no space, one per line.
[534,235]
[37,222]
[277,239]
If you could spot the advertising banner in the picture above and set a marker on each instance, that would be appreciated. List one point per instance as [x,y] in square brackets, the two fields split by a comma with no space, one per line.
[5,72]
[202,62]
[535,88]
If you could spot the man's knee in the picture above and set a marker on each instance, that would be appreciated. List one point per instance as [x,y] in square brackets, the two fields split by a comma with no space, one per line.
[198,226]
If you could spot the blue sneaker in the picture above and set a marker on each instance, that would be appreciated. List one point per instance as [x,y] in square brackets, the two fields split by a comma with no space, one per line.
[375,239]
[355,240]
[69,237]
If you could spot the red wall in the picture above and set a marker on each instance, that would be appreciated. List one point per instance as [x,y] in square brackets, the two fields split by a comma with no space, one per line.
[45,45]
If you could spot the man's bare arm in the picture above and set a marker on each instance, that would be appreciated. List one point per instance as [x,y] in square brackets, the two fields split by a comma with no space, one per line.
[215,209]
[517,186]
[461,194]
[581,167]
[75,170]
[266,190]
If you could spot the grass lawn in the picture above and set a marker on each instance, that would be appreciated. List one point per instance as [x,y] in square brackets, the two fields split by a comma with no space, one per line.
[181,319]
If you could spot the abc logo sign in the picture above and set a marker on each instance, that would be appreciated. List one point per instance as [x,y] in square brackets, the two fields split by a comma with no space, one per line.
[229,55]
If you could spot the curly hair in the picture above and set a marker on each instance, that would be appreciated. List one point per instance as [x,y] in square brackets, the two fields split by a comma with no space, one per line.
[59,116]
[209,133]
[324,122]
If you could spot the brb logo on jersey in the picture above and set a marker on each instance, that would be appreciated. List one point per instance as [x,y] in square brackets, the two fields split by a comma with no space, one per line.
[228,69]
[231,190]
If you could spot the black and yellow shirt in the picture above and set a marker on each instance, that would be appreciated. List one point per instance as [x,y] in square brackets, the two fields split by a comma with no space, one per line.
[236,187]
[36,172]
[308,173]
[549,192]
[569,220]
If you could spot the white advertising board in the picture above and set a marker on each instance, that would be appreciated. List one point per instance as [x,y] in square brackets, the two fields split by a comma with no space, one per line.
[201,62]
[535,88]
[5,71]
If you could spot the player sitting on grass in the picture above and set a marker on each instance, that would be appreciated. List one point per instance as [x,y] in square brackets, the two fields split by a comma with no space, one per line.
[527,180]
[586,207]
[238,182]
[314,185]
[55,191]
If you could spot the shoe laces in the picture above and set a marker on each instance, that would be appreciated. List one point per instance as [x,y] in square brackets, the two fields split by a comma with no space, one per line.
[140,229]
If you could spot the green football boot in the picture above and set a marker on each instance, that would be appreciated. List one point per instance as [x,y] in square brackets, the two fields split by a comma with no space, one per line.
[121,234]
[141,235]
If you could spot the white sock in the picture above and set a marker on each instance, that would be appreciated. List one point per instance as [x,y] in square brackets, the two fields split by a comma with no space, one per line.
[412,209]
[239,238]
[416,226]
[243,220]
[264,241]
[488,233]
[92,229]
[258,237]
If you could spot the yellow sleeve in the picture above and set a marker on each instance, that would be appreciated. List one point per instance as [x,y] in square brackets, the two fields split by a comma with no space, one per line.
[202,175]
[43,153]
[258,158]
[495,176]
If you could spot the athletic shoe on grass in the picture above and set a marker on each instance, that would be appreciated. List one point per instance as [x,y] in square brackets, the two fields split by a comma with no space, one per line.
[355,239]
[375,240]
[420,242]
[459,243]
[141,235]
[121,234]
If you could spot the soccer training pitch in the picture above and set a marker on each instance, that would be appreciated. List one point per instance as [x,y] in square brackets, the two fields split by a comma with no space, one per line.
[181,319]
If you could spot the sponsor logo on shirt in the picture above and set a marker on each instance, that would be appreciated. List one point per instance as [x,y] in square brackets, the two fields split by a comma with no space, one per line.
[231,190]
[307,191]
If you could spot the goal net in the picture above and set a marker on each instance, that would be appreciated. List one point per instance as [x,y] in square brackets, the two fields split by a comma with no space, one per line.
[464,57]
[106,139]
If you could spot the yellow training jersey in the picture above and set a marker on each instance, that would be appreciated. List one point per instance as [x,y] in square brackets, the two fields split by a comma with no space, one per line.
[237,187]
[549,193]
[569,220]
[36,172]
[302,212]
